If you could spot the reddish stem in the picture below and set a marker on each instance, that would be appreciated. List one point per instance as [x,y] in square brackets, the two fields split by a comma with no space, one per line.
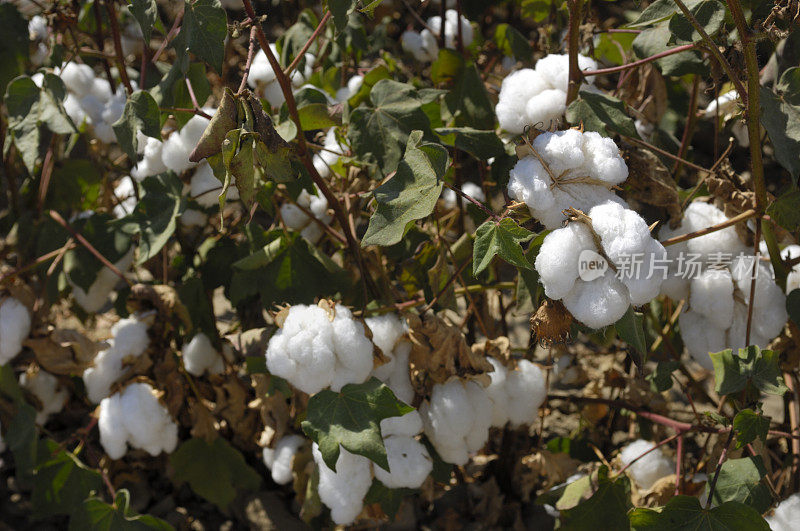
[321,26]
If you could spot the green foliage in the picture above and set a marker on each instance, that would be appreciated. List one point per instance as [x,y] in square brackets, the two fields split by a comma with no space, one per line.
[502,239]
[601,113]
[96,515]
[410,195]
[750,425]
[389,499]
[780,116]
[661,10]
[62,483]
[630,328]
[146,14]
[661,377]
[685,512]
[14,52]
[512,42]
[341,10]
[608,504]
[656,40]
[751,369]
[742,481]
[206,27]
[710,14]
[216,471]
[352,418]
[141,114]
[793,305]
[482,145]
[785,210]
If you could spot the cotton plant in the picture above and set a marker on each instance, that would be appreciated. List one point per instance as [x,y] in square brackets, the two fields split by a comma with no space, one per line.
[129,341]
[516,392]
[332,150]
[537,97]
[617,239]
[424,45]
[713,274]
[134,417]
[263,81]
[649,468]
[296,219]
[567,169]
[15,326]
[48,390]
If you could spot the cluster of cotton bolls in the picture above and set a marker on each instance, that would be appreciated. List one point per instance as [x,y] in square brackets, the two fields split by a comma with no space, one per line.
[15,325]
[99,292]
[424,45]
[388,334]
[91,100]
[130,341]
[200,356]
[47,389]
[648,469]
[786,514]
[538,96]
[296,219]
[471,189]
[718,290]
[262,77]
[567,169]
[516,393]
[135,417]
[603,298]
[314,351]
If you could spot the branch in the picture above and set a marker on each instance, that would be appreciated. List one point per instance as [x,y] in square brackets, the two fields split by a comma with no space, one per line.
[172,32]
[640,62]
[473,201]
[123,72]
[251,51]
[325,18]
[747,214]
[573,45]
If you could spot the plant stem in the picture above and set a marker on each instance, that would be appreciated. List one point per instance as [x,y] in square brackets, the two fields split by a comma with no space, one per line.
[114,23]
[321,26]
[251,51]
[573,45]
[640,62]
[747,214]
[474,201]
[713,484]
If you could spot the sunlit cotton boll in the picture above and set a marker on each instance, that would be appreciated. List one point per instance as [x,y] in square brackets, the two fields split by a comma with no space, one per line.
[516,394]
[388,334]
[77,77]
[409,463]
[793,278]
[130,341]
[262,77]
[180,144]
[15,325]
[786,515]
[296,219]
[343,491]
[329,154]
[347,92]
[280,458]
[200,356]
[125,194]
[205,187]
[135,417]
[48,390]
[98,294]
[651,467]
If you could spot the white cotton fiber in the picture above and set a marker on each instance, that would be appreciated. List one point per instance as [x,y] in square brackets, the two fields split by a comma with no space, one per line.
[130,340]
[650,468]
[200,356]
[48,390]
[97,296]
[78,78]
[15,325]
[786,515]
[701,336]
[409,463]
[329,155]
[312,352]
[457,419]
[296,219]
[280,458]
[793,279]
[598,303]
[726,103]
[558,259]
[424,45]
[516,394]
[135,417]
[712,296]
[205,187]
[126,197]
[343,491]
[350,90]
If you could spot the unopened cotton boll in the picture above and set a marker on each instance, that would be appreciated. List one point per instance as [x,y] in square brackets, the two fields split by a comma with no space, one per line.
[651,467]
[135,417]
[200,356]
[312,352]
[584,165]
[516,394]
[48,390]
[409,463]
[538,96]
[786,515]
[343,491]
[280,458]
[15,325]
[130,340]
[97,295]
[457,418]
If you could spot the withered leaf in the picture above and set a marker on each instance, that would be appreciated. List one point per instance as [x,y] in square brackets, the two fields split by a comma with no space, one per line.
[225,119]
[65,352]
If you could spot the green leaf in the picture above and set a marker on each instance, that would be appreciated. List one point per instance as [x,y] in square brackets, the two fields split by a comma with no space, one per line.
[785,210]
[74,185]
[317,116]
[512,43]
[206,27]
[341,9]
[601,113]
[96,515]
[410,195]
[22,439]
[13,53]
[155,217]
[500,239]
[352,418]
[656,40]
[609,504]
[62,483]
[480,144]
[793,305]
[146,14]
[781,119]
[379,133]
[751,367]
[630,328]
[215,471]
[742,481]
[224,120]
[710,14]
[193,295]
[371,78]
[661,377]
[789,85]
[141,114]
[750,426]
[659,11]
[468,101]
[390,499]
[100,230]
[685,512]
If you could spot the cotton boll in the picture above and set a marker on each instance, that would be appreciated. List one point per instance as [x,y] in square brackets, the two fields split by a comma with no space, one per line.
[279,459]
[557,261]
[78,78]
[554,68]
[563,150]
[126,195]
[193,218]
[793,279]
[395,373]
[603,160]
[74,110]
[293,217]
[516,394]
[457,419]
[274,94]
[205,187]
[411,41]
[545,109]
[152,163]
[701,336]
[101,90]
[343,491]
[175,153]
[261,72]
[726,103]
[37,28]
[386,329]
[497,393]
[699,215]
[329,155]
[347,92]
[47,389]
[786,514]
[353,350]
[15,325]
[192,132]
[515,91]
[131,40]
[97,295]
[200,356]
[135,417]
[409,463]
[407,425]
[598,303]
[712,296]
[651,467]
[130,340]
